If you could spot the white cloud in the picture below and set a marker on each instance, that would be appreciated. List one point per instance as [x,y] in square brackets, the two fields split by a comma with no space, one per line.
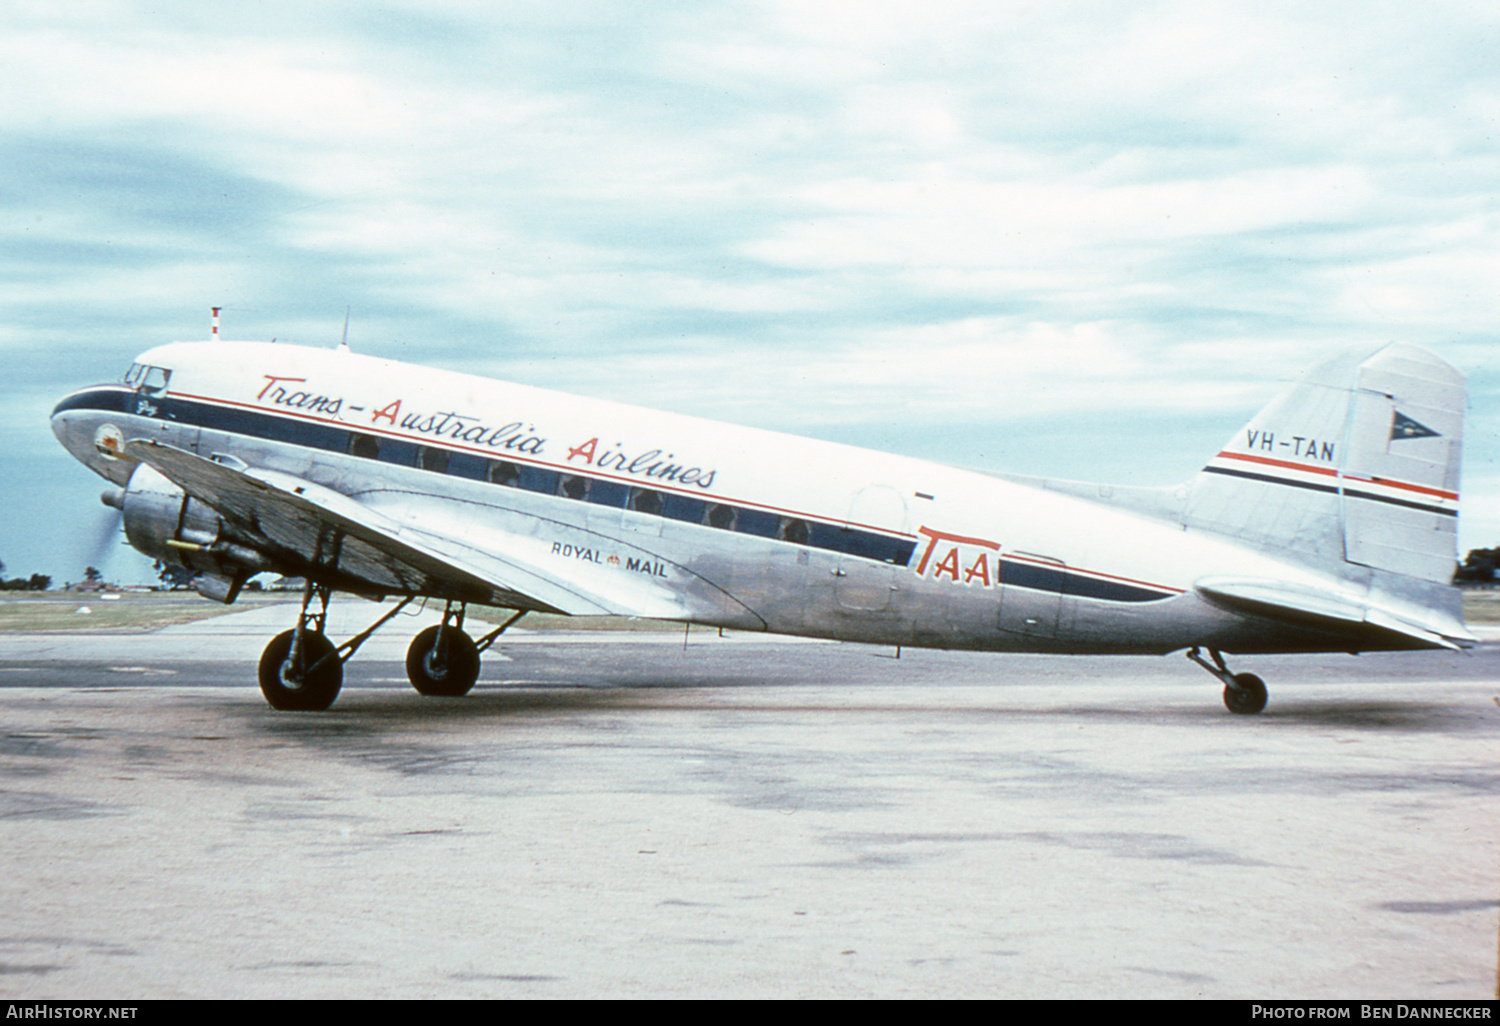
[967,211]
[1059,223]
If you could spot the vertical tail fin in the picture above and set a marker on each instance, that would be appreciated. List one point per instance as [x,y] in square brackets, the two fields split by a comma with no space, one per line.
[1356,463]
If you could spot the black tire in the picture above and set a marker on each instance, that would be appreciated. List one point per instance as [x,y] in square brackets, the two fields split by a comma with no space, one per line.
[451,675]
[292,688]
[1248,697]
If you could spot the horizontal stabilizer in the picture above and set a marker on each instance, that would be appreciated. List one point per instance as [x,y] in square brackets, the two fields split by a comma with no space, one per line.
[1306,605]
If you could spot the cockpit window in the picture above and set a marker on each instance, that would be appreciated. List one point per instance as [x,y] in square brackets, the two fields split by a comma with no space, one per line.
[147,379]
[155,381]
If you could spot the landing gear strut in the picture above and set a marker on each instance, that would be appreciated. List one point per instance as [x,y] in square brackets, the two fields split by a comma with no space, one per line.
[300,669]
[1244,693]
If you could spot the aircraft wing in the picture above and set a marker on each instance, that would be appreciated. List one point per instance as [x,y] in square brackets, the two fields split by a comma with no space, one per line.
[313,528]
[1303,605]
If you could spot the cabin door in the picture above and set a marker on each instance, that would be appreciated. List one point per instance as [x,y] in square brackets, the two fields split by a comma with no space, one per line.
[861,583]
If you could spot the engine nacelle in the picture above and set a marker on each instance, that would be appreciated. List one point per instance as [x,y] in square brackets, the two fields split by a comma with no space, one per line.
[164,523]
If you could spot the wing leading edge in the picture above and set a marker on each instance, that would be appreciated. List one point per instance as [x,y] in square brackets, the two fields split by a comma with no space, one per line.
[325,533]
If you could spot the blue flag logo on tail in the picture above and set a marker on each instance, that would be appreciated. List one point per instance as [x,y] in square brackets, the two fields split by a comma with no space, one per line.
[1404,427]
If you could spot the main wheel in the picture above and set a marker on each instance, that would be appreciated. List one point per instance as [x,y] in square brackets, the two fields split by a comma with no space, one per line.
[1248,696]
[446,664]
[293,687]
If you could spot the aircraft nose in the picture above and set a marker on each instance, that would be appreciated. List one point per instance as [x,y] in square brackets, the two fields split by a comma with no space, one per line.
[73,424]
[60,422]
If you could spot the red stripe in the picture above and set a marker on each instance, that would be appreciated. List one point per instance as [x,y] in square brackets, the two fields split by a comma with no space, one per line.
[1329,472]
[1411,487]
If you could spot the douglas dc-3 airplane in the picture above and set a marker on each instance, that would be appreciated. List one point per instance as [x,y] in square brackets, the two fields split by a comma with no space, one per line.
[1326,524]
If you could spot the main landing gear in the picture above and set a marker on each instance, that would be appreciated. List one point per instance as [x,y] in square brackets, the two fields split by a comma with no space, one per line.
[301,670]
[443,660]
[1244,693]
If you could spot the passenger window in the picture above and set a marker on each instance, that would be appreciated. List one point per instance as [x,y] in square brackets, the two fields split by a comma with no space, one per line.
[573,487]
[364,446]
[644,500]
[507,474]
[722,517]
[794,531]
[435,460]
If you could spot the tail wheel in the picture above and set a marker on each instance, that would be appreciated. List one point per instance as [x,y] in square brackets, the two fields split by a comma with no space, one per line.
[1247,696]
[442,661]
[308,686]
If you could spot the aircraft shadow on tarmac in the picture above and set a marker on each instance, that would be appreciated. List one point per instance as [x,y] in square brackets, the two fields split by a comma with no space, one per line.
[387,708]
[1379,716]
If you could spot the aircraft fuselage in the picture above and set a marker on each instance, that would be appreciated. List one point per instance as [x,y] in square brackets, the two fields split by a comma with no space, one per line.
[688,519]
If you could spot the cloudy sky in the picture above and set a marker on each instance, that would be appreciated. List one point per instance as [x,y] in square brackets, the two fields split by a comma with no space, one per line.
[1087,240]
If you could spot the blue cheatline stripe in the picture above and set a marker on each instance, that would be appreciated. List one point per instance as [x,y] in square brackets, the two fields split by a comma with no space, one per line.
[1015,574]
[832,537]
[110,400]
[1110,591]
[1333,490]
[1409,504]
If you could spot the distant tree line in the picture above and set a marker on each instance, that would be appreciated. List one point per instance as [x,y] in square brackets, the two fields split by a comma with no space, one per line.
[36,582]
[1478,567]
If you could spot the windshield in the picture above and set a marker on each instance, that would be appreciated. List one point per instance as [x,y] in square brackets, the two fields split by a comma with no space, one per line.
[145,378]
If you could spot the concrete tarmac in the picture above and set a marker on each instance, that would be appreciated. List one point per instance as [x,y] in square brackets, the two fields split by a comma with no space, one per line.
[614,815]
